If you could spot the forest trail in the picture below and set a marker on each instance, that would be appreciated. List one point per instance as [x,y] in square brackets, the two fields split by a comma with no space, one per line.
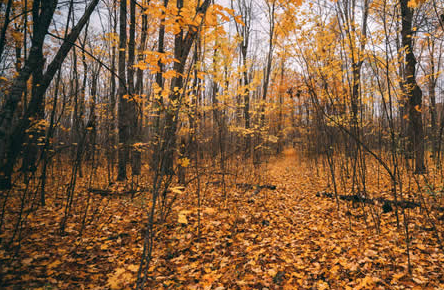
[139,144]
[287,238]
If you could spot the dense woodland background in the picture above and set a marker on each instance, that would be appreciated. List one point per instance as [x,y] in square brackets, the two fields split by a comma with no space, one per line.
[209,144]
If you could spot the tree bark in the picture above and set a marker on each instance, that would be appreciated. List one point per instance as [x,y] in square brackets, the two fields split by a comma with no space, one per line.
[412,90]
[123,122]
[6,22]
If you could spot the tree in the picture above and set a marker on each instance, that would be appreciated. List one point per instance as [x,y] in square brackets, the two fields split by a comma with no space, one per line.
[13,133]
[412,90]
[123,97]
[243,29]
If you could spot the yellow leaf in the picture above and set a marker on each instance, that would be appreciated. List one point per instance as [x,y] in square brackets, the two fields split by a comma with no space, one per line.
[322,285]
[54,264]
[170,74]
[366,282]
[413,3]
[182,219]
[184,162]
[27,261]
[209,210]
[177,189]
[398,276]
[273,139]
[141,65]
[335,269]
[119,278]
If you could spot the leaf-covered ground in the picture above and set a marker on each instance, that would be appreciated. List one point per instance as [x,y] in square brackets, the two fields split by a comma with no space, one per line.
[288,238]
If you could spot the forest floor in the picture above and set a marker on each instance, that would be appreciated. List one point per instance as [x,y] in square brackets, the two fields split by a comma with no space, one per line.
[288,238]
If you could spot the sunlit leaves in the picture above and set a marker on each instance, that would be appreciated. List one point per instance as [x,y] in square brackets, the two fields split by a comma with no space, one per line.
[415,3]
[120,278]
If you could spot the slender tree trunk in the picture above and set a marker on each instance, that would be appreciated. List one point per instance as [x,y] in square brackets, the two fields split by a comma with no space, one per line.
[133,104]
[158,99]
[280,133]
[431,83]
[112,101]
[433,118]
[123,122]
[246,102]
[137,155]
[271,12]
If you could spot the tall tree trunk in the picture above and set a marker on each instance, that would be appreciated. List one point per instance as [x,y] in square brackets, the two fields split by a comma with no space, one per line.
[158,99]
[271,14]
[280,133]
[412,90]
[133,104]
[136,154]
[123,122]
[246,101]
[431,83]
[111,127]
[433,113]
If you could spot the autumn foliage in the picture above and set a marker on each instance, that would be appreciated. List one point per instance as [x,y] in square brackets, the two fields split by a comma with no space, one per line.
[239,144]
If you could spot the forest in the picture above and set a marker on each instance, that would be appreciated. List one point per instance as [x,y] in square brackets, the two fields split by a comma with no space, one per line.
[221,144]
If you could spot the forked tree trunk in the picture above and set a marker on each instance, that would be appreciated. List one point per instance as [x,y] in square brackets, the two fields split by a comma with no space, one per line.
[12,135]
